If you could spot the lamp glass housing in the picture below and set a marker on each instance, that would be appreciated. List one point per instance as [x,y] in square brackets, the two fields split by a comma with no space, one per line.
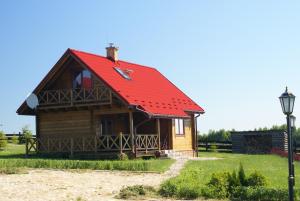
[287,100]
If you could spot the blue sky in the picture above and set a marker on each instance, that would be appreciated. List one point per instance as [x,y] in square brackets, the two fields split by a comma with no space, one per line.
[234,58]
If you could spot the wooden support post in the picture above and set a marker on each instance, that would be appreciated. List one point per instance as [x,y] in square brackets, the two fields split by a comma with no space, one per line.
[121,142]
[131,132]
[37,130]
[48,145]
[83,144]
[95,144]
[59,144]
[71,94]
[72,146]
[26,148]
[158,132]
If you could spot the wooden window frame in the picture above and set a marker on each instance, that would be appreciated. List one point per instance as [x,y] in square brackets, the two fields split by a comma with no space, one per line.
[183,127]
[112,126]
[76,74]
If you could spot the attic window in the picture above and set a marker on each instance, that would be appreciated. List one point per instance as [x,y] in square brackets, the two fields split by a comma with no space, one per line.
[124,74]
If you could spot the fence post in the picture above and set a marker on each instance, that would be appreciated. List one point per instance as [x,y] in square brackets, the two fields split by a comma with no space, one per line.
[121,142]
[26,147]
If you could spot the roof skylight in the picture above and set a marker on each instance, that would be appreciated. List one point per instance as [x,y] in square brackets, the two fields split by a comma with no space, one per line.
[124,74]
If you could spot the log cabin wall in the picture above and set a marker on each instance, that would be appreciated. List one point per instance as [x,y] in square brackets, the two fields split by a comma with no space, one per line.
[64,78]
[65,124]
[183,142]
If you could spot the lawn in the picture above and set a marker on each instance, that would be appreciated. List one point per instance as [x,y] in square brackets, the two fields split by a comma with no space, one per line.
[13,157]
[275,168]
[197,174]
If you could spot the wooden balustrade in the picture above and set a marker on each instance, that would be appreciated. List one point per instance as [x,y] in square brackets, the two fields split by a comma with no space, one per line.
[147,142]
[94,144]
[104,143]
[72,97]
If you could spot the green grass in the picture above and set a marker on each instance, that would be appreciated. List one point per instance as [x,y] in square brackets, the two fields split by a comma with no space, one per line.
[275,168]
[13,157]
[197,174]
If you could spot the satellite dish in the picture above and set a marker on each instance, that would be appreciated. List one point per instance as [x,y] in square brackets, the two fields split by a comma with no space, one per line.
[32,101]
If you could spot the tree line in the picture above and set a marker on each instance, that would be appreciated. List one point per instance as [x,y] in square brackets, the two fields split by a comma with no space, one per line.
[225,135]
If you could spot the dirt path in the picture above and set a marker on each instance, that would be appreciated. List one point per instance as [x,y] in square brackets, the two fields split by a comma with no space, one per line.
[59,185]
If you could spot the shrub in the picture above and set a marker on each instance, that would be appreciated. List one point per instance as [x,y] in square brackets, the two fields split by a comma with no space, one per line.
[242,176]
[26,134]
[213,148]
[123,156]
[226,185]
[15,139]
[218,185]
[3,140]
[233,182]
[135,191]
[188,192]
[256,179]
[259,193]
[168,189]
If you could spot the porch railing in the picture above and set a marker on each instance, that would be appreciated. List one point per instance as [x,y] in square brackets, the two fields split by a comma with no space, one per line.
[74,96]
[95,144]
[146,142]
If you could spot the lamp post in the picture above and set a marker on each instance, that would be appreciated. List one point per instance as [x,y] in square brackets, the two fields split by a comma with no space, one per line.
[293,126]
[287,100]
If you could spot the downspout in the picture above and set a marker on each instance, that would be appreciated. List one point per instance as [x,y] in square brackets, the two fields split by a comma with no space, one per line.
[196,133]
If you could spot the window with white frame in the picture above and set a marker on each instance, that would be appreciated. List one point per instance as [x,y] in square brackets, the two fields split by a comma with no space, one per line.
[179,126]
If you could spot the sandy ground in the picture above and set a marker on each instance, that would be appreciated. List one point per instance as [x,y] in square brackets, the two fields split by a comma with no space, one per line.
[62,185]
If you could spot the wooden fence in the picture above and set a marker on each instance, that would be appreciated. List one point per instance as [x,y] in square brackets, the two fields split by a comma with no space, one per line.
[226,146]
[221,146]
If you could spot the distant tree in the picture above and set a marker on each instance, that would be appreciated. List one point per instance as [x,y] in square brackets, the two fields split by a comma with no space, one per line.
[26,134]
[15,139]
[3,140]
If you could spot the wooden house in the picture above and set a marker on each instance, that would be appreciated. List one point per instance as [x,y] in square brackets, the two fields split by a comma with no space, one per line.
[94,104]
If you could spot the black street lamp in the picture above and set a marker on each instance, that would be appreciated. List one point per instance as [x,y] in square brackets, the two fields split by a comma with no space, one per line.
[287,100]
[293,127]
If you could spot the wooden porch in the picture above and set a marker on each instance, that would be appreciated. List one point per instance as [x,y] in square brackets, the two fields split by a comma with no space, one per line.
[143,143]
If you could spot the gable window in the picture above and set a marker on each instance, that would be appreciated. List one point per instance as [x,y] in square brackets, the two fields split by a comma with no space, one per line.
[83,79]
[123,73]
[179,126]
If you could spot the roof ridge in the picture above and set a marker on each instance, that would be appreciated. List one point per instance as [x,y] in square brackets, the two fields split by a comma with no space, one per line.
[106,58]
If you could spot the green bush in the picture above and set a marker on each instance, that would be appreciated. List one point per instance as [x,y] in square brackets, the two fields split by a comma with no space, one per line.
[3,140]
[26,134]
[123,156]
[226,185]
[213,148]
[135,191]
[256,179]
[168,189]
[242,176]
[188,192]
[259,193]
[15,139]
[218,185]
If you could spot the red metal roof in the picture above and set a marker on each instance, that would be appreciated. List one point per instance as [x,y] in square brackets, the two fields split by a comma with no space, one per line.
[148,88]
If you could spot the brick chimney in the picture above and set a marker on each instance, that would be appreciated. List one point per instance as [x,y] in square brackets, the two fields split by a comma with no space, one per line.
[112,52]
